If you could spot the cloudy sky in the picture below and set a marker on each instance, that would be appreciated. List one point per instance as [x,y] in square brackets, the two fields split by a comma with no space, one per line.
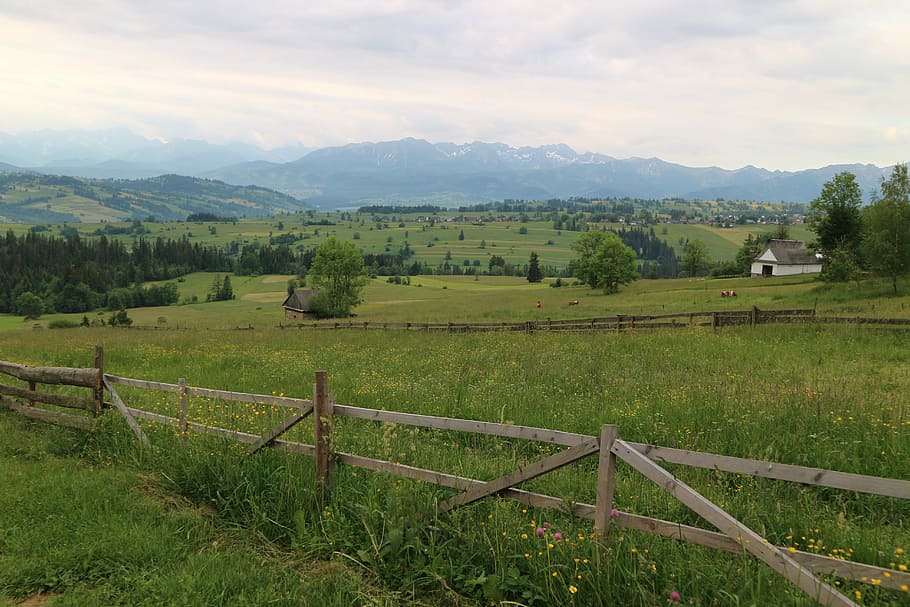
[773,83]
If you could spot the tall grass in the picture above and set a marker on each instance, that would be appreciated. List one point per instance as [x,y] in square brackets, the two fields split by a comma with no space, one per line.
[831,397]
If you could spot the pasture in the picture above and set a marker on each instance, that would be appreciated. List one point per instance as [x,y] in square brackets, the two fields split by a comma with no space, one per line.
[432,244]
[832,397]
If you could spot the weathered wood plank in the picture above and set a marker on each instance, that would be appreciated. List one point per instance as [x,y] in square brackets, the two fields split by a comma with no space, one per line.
[535,500]
[121,407]
[286,424]
[241,437]
[322,436]
[260,399]
[464,425]
[752,542]
[524,473]
[59,400]
[799,474]
[819,564]
[267,399]
[141,383]
[85,378]
[53,417]
[606,478]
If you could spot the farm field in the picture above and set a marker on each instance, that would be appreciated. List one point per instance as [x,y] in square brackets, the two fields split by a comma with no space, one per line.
[497,298]
[431,244]
[826,396]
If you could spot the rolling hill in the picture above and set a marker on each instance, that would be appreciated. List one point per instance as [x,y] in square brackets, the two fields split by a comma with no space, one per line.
[37,198]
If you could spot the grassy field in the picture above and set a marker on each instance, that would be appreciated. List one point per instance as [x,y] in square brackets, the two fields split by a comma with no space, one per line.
[832,397]
[79,531]
[431,244]
[490,298]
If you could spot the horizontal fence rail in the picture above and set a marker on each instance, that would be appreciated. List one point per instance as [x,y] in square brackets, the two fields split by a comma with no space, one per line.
[620,322]
[800,567]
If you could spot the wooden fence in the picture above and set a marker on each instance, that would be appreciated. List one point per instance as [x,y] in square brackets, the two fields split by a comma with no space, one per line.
[800,568]
[620,322]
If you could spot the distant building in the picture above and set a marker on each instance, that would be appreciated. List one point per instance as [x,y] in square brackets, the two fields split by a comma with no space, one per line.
[785,258]
[297,304]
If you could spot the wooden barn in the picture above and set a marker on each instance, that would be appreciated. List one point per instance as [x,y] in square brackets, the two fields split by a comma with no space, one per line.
[297,304]
[785,258]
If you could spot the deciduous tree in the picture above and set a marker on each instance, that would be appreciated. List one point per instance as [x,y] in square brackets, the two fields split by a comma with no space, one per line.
[604,262]
[338,274]
[886,228]
[696,258]
[835,215]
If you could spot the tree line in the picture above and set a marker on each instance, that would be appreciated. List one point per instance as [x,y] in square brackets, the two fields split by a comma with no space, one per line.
[854,239]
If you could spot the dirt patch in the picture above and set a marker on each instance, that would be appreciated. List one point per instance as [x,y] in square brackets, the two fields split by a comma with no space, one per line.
[38,600]
[149,485]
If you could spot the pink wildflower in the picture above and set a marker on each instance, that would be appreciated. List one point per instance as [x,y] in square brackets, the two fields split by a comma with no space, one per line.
[674,596]
[557,536]
[540,532]
[614,512]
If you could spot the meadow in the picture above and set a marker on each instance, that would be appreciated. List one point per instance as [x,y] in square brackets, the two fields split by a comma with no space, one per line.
[826,396]
[433,244]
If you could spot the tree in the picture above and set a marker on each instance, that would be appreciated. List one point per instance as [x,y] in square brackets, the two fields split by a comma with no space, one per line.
[747,254]
[604,262]
[337,273]
[696,258]
[835,215]
[886,228]
[227,291]
[29,305]
[534,273]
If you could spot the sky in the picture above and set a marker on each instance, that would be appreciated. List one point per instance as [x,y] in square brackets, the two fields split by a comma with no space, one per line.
[777,84]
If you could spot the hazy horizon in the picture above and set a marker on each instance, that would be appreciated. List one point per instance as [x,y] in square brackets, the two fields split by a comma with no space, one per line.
[777,85]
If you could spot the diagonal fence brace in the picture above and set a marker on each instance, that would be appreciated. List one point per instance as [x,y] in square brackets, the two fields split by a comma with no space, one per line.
[750,541]
[286,424]
[134,425]
[525,473]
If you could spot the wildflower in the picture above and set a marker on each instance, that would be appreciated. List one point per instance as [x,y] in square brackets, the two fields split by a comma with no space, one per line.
[524,536]
[902,567]
[858,594]
[557,536]
[674,596]
[540,532]
[546,525]
[614,512]
[572,589]
[555,574]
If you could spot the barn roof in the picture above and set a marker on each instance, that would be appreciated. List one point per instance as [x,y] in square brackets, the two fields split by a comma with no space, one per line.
[299,300]
[787,252]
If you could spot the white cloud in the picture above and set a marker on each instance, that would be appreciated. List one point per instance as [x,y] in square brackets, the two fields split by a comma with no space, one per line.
[776,84]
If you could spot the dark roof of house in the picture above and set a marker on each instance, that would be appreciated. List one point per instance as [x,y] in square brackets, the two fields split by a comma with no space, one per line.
[789,252]
[299,300]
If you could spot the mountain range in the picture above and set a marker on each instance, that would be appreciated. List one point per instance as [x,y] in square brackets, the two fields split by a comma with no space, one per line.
[415,171]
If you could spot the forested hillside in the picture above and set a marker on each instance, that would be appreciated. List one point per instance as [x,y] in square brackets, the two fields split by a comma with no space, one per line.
[34,198]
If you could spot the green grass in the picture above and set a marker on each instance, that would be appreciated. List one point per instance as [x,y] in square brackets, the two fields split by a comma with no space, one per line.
[831,397]
[89,533]
[492,299]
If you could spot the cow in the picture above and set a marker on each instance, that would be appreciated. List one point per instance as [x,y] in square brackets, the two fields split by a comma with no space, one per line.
[728,293]
[574,302]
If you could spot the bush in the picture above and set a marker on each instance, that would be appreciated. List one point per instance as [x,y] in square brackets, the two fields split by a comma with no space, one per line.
[62,323]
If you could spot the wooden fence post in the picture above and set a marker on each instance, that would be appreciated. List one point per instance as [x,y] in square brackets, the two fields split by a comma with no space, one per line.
[754,316]
[322,427]
[606,479]
[32,386]
[184,427]
[98,393]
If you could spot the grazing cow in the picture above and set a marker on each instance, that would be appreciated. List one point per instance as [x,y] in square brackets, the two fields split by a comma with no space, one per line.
[574,302]
[730,293]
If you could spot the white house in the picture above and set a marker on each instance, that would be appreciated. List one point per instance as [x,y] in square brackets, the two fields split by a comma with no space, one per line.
[785,258]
